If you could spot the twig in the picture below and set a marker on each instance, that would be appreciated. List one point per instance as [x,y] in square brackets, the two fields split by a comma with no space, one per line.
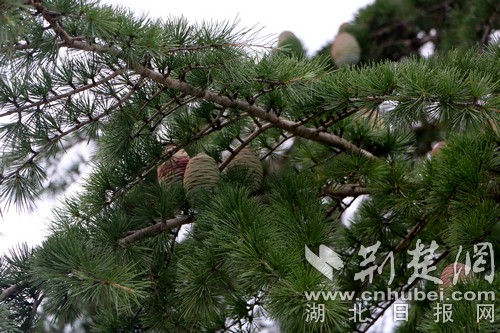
[488,28]
[403,289]
[247,141]
[346,190]
[411,235]
[279,144]
[58,137]
[65,95]
[154,230]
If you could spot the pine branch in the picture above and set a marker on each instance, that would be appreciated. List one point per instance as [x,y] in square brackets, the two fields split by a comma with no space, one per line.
[397,25]
[65,95]
[50,142]
[411,235]
[154,164]
[335,120]
[247,141]
[290,126]
[13,290]
[34,308]
[346,190]
[410,43]
[163,115]
[279,144]
[154,230]
[166,93]
[214,46]
[403,289]
[414,232]
[489,27]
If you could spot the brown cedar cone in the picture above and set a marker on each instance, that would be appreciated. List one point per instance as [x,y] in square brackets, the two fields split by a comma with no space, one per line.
[202,173]
[246,166]
[345,49]
[173,169]
[449,273]
[437,147]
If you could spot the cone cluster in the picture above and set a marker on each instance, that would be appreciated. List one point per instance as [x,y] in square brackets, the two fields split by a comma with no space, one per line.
[246,166]
[201,173]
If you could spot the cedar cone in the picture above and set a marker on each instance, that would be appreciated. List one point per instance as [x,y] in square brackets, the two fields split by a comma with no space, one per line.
[345,49]
[173,169]
[202,173]
[246,166]
[449,273]
[437,147]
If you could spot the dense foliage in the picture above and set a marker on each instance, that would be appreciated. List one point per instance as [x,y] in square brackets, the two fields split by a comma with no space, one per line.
[159,240]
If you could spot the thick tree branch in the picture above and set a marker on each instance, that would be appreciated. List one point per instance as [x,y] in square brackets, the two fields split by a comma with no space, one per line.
[155,229]
[12,290]
[253,110]
[290,126]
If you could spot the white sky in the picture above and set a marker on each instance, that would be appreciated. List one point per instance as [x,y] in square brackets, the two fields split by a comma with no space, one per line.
[315,24]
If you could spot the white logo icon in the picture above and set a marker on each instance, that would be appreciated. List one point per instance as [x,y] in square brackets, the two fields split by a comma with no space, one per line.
[326,261]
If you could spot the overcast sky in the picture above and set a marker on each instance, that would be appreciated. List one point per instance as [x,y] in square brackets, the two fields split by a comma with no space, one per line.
[314,22]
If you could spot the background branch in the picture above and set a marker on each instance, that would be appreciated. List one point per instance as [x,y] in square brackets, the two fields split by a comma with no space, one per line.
[346,190]
[12,290]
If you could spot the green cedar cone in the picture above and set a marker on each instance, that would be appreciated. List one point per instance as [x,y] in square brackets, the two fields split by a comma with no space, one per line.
[246,166]
[290,44]
[202,174]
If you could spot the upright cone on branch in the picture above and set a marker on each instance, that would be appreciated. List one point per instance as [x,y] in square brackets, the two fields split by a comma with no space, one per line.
[246,168]
[202,174]
[453,273]
[173,169]
[437,147]
[290,44]
[345,48]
